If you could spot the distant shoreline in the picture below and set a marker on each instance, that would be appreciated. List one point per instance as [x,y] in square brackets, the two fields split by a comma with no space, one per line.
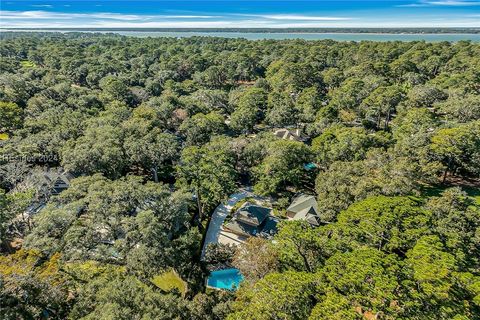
[292,35]
[264,30]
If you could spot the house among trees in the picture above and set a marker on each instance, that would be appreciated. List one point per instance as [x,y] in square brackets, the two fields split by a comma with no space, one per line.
[61,181]
[47,183]
[289,134]
[253,221]
[55,180]
[304,207]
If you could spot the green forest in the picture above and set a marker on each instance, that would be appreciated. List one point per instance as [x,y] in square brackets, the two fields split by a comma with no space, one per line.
[153,134]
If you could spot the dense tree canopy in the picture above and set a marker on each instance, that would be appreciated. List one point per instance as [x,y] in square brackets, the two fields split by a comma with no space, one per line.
[153,133]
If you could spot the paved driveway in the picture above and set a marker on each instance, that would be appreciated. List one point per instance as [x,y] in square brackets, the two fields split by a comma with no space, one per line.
[219,215]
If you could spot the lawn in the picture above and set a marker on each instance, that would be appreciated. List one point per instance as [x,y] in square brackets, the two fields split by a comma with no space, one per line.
[27,64]
[3,136]
[170,280]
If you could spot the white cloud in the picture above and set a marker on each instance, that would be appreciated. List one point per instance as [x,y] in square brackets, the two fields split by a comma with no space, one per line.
[47,15]
[38,14]
[446,3]
[290,17]
[453,3]
[46,19]
[187,17]
[412,5]
[42,5]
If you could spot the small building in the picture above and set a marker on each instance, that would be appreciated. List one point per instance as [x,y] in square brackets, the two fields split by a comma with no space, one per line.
[304,207]
[252,221]
[46,183]
[289,134]
[61,181]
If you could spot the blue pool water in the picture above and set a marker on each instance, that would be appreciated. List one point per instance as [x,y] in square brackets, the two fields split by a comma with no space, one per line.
[225,279]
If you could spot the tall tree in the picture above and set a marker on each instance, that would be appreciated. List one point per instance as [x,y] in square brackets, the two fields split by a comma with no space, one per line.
[458,149]
[283,166]
[151,148]
[201,127]
[11,117]
[209,172]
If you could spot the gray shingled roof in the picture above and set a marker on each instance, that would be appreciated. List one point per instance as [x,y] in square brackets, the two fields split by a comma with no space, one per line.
[252,214]
[287,134]
[270,227]
[242,228]
[305,208]
[253,220]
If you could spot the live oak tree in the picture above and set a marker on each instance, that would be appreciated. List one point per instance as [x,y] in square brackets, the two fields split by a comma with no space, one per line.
[150,148]
[4,215]
[206,101]
[250,108]
[115,89]
[344,183]
[460,107]
[455,219]
[379,106]
[458,149]
[121,222]
[11,116]
[31,286]
[201,127]
[283,166]
[424,96]
[100,149]
[255,259]
[125,297]
[208,172]
[308,103]
[339,143]
[287,81]
[287,295]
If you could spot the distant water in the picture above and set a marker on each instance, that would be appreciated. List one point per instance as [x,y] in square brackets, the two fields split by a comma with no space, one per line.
[305,36]
[312,36]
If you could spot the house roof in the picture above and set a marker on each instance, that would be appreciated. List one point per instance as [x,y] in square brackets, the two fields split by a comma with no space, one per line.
[48,181]
[270,227]
[267,229]
[287,134]
[252,214]
[59,179]
[242,228]
[308,214]
[305,208]
[253,220]
[301,202]
[54,174]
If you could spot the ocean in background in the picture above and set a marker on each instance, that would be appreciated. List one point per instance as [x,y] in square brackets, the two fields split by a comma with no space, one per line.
[452,37]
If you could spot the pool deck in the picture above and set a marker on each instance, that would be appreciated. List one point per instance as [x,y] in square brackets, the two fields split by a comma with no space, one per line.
[215,232]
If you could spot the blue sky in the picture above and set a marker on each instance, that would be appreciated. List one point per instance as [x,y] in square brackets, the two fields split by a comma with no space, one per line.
[238,14]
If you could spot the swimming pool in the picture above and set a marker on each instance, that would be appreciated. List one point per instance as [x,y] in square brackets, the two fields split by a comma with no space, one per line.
[228,279]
